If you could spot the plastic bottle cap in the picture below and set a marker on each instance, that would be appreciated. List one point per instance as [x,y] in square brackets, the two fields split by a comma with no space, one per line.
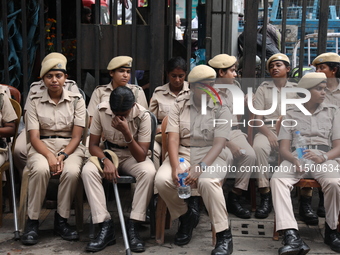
[297,132]
[181,160]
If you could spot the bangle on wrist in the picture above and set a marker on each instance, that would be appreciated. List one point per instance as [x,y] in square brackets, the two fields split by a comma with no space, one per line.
[128,141]
[103,159]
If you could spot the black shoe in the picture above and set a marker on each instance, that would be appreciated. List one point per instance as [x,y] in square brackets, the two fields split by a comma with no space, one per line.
[293,244]
[234,206]
[321,208]
[105,237]
[332,238]
[266,206]
[224,243]
[136,243]
[194,204]
[186,224]
[63,229]
[306,212]
[30,236]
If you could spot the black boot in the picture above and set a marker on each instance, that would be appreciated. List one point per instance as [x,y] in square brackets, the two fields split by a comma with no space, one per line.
[136,243]
[332,238]
[186,224]
[105,237]
[321,208]
[234,206]
[306,212]
[266,206]
[63,229]
[293,244]
[194,204]
[31,232]
[224,243]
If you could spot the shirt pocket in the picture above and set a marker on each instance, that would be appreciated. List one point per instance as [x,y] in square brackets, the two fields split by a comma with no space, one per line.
[66,122]
[46,122]
[184,129]
[207,131]
[324,129]
[163,111]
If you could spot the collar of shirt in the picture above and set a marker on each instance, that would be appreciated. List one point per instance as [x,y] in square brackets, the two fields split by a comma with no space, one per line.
[166,89]
[318,109]
[46,97]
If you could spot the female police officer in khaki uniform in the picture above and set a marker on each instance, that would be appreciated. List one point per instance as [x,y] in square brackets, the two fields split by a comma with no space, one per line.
[164,96]
[55,121]
[194,137]
[242,153]
[120,72]
[126,127]
[265,141]
[20,150]
[7,126]
[329,64]
[321,131]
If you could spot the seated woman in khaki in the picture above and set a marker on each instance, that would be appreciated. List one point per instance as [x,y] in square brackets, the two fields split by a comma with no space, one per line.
[7,126]
[321,131]
[55,122]
[126,128]
[164,96]
[193,137]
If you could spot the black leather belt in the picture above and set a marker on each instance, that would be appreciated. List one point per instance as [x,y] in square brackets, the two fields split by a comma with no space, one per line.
[53,137]
[115,146]
[321,147]
[234,128]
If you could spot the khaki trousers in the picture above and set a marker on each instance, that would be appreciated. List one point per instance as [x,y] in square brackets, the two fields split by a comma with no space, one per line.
[243,163]
[144,172]
[40,174]
[209,186]
[262,150]
[282,184]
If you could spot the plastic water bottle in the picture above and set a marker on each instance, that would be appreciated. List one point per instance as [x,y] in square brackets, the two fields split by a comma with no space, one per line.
[300,146]
[184,191]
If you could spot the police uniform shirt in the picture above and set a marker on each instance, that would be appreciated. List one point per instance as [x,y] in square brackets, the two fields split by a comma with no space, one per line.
[319,128]
[163,99]
[264,98]
[333,97]
[7,113]
[55,119]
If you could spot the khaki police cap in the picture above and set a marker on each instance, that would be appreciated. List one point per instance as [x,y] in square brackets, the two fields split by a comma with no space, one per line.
[326,57]
[56,62]
[110,155]
[201,73]
[120,61]
[310,80]
[53,55]
[222,61]
[277,57]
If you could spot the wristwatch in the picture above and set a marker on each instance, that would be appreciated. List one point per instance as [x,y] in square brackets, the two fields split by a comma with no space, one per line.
[102,160]
[63,153]
[202,165]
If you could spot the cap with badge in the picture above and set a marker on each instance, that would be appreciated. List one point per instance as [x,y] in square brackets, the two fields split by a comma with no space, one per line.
[53,62]
[222,61]
[277,57]
[120,61]
[326,57]
[311,80]
[201,73]
[99,162]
